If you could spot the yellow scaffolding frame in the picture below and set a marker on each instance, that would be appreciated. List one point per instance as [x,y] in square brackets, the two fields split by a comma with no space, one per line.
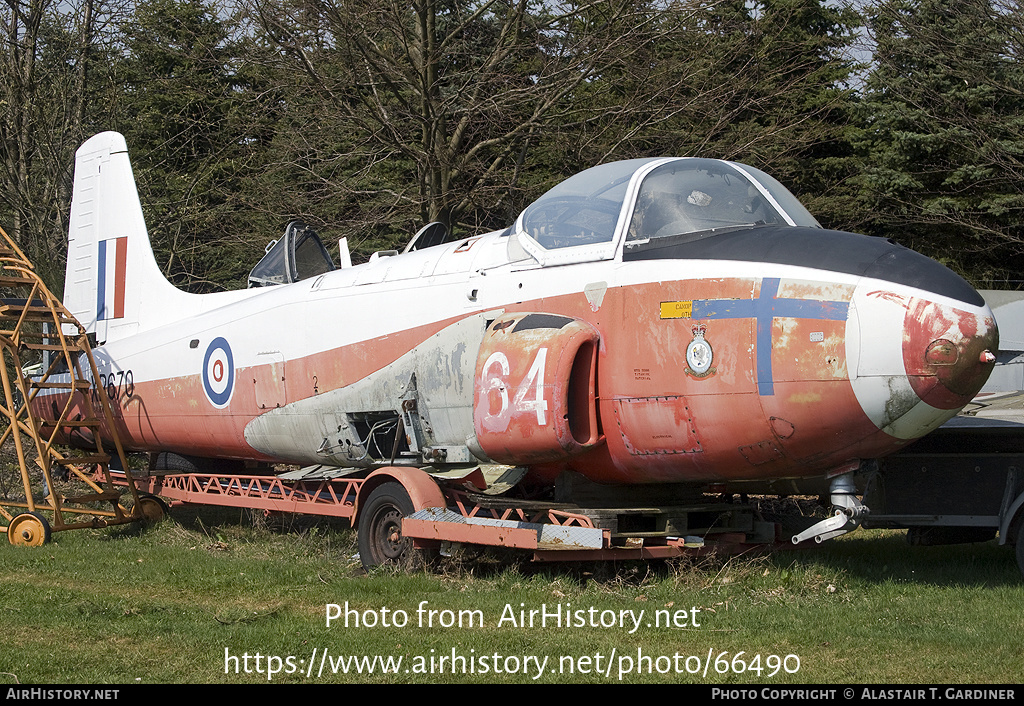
[56,407]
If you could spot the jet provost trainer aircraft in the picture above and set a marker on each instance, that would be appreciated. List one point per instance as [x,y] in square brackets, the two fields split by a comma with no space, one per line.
[678,321]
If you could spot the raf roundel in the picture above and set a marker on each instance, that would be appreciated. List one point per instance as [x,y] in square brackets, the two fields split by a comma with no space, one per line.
[218,373]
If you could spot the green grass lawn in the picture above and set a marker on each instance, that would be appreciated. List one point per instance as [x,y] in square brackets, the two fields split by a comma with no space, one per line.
[197,598]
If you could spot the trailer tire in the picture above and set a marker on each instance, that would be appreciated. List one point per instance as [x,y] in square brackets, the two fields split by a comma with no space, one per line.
[380,530]
[1020,546]
[174,463]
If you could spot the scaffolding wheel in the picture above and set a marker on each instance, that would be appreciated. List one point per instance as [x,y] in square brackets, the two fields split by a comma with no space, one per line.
[28,530]
[152,509]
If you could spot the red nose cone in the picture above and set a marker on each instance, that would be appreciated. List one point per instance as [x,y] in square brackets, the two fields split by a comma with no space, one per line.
[948,352]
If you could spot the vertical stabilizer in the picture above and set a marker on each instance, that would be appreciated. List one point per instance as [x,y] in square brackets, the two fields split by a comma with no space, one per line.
[113,285]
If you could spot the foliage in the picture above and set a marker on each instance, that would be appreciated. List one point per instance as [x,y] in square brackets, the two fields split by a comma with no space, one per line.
[942,133]
[368,119]
[437,104]
[52,61]
[182,110]
[762,83]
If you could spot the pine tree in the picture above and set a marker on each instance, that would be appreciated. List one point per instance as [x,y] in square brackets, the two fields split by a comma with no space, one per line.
[943,114]
[180,112]
[762,82]
[798,127]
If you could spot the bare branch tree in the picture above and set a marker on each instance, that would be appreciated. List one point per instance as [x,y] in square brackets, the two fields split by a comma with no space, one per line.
[457,90]
[45,70]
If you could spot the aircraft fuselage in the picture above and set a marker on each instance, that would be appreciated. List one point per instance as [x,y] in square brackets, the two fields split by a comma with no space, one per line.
[804,369]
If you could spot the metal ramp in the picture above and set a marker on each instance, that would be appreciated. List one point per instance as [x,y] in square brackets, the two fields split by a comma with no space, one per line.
[50,400]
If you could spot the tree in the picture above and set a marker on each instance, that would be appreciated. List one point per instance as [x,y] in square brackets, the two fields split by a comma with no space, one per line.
[804,106]
[442,100]
[942,137]
[183,112]
[763,83]
[51,52]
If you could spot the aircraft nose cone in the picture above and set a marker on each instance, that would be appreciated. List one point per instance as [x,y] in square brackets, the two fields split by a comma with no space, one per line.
[948,352]
[920,356]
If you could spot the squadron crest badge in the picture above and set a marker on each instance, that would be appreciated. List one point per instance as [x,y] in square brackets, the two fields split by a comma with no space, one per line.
[699,354]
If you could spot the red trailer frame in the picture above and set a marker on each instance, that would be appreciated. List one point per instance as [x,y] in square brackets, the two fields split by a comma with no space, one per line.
[441,515]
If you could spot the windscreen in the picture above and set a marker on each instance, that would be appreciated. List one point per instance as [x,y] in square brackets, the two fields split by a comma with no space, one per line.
[583,209]
[693,196]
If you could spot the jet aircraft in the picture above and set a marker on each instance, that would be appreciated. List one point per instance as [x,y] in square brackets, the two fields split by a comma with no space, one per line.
[663,322]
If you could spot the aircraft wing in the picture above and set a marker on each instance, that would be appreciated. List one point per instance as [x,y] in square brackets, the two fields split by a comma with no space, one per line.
[1000,404]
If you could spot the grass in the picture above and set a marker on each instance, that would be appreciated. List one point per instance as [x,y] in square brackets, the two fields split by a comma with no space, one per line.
[168,604]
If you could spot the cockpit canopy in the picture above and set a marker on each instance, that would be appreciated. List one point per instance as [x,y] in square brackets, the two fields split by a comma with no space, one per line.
[651,198]
[299,254]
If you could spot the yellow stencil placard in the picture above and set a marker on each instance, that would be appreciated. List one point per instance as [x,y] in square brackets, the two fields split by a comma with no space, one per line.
[676,310]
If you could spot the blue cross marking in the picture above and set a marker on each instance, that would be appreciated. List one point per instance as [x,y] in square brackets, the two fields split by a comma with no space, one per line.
[765,309]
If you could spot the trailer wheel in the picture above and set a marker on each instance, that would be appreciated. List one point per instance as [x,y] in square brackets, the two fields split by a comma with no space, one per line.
[1020,547]
[173,463]
[380,529]
[28,530]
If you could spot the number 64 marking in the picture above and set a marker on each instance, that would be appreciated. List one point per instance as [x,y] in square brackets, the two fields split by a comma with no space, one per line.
[533,383]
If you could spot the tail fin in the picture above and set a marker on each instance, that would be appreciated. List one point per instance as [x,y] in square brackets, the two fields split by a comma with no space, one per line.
[112,284]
